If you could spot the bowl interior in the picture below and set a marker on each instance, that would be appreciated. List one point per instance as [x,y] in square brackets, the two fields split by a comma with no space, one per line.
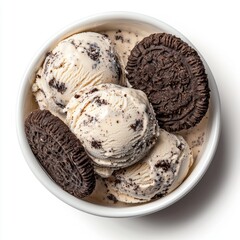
[26,103]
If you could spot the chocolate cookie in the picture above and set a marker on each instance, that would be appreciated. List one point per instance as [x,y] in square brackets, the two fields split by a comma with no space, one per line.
[173,76]
[60,153]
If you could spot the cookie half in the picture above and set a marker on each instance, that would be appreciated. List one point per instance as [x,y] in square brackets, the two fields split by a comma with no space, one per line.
[60,153]
[173,77]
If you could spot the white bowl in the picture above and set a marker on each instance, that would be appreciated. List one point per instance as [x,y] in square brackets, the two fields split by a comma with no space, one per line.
[26,104]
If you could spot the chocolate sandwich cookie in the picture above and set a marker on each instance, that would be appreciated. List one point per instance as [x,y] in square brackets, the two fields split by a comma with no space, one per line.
[60,153]
[173,76]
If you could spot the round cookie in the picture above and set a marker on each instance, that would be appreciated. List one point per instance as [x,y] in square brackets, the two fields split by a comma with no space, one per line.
[60,153]
[173,77]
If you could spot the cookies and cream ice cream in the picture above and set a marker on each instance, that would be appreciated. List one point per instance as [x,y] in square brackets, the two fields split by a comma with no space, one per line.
[80,60]
[159,173]
[79,82]
[116,125]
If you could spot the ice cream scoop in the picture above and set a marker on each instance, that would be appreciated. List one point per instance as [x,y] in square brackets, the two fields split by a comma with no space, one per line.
[116,125]
[80,60]
[161,171]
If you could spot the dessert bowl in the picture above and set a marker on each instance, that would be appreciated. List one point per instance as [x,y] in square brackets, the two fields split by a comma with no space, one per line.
[26,103]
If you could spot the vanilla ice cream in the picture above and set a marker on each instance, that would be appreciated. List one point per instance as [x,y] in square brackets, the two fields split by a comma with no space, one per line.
[160,172]
[83,59]
[116,125]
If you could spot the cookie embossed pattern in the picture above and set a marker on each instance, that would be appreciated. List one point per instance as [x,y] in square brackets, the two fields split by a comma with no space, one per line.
[161,166]
[172,75]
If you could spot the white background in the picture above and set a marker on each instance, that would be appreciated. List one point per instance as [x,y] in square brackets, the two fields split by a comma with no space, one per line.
[210,211]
